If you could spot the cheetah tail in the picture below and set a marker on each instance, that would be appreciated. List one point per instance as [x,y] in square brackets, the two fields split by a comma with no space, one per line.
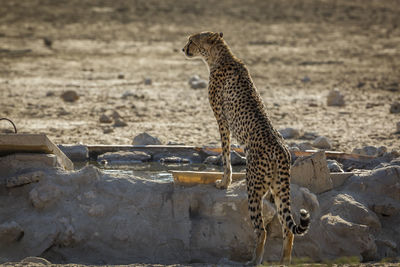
[304,224]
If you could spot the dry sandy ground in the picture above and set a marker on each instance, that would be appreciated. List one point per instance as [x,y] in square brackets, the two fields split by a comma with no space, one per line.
[296,50]
[350,45]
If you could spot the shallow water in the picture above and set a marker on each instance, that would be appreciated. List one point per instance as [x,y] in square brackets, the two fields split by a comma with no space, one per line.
[153,170]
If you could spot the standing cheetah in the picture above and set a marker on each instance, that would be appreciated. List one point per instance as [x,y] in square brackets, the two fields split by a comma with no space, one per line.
[239,111]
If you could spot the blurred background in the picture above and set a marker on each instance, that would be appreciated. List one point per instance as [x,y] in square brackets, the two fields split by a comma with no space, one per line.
[101,72]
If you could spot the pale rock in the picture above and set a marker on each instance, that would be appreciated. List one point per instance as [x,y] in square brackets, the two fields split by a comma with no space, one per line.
[334,166]
[196,82]
[312,172]
[289,133]
[10,232]
[145,139]
[335,98]
[174,160]
[322,142]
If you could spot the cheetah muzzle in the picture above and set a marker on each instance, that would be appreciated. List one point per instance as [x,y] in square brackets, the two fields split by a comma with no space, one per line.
[240,112]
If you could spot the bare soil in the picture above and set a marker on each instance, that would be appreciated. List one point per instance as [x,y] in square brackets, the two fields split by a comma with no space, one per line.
[297,51]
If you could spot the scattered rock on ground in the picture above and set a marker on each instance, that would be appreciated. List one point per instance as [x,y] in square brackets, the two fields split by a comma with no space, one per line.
[105,119]
[70,96]
[236,159]
[322,142]
[370,151]
[289,133]
[303,146]
[121,76]
[120,123]
[196,82]
[395,107]
[145,139]
[148,81]
[75,152]
[335,98]
[213,160]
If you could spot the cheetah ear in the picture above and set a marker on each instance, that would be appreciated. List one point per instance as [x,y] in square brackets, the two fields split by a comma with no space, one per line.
[214,37]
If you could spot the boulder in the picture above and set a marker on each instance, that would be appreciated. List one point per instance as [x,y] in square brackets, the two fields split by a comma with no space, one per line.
[145,139]
[75,152]
[312,172]
[334,166]
[196,82]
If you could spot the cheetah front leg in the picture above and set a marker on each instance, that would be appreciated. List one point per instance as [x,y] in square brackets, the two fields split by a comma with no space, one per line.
[226,155]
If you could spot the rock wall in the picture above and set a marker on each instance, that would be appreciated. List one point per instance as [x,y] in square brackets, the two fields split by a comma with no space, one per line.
[91,217]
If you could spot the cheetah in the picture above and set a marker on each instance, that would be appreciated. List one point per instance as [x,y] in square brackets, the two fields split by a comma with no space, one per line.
[239,110]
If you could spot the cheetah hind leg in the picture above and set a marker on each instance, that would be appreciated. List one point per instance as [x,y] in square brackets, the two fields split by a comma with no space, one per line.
[259,250]
[287,246]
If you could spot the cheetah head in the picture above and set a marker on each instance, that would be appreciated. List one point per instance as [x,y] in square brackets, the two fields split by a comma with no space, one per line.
[200,44]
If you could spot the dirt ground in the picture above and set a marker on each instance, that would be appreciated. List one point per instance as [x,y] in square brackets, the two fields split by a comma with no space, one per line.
[296,52]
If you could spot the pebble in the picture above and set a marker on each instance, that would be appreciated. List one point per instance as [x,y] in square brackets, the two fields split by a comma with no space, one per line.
[119,123]
[105,119]
[196,82]
[148,81]
[70,96]
[289,133]
[322,142]
[108,130]
[306,79]
[395,108]
[145,139]
[50,93]
[121,76]
[335,98]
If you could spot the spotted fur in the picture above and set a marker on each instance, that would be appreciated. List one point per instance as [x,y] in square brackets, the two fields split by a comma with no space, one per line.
[240,112]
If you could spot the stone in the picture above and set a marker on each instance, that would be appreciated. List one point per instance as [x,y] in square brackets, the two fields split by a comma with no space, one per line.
[124,157]
[105,119]
[50,93]
[23,179]
[304,146]
[334,166]
[121,76]
[70,96]
[289,133]
[322,142]
[335,98]
[213,160]
[381,151]
[367,151]
[312,172]
[196,82]
[395,108]
[174,160]
[120,123]
[148,81]
[10,232]
[75,152]
[145,139]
